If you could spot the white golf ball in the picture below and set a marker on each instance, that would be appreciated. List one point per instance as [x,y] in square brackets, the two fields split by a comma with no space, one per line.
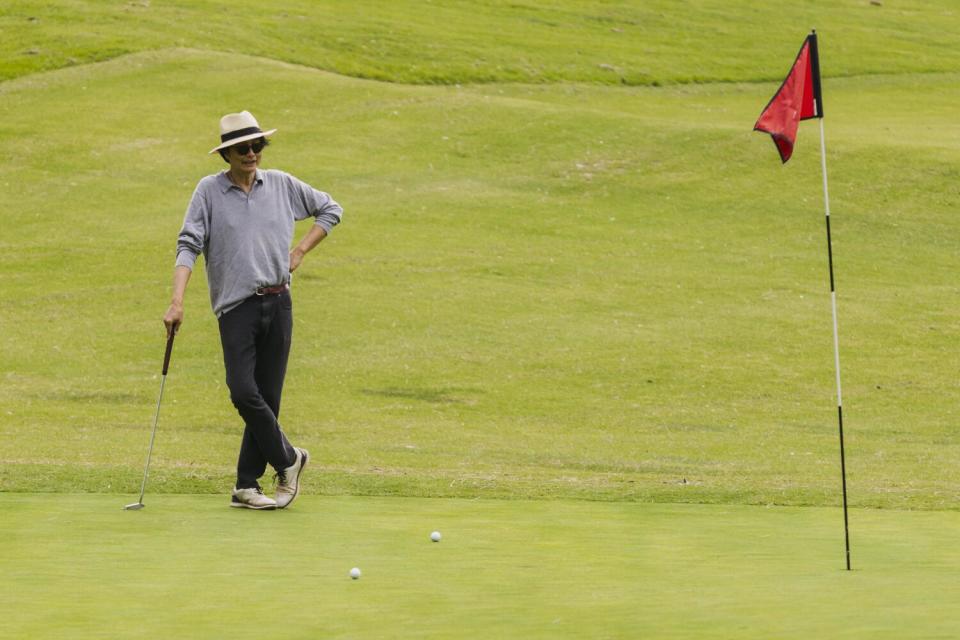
[435,536]
[355,573]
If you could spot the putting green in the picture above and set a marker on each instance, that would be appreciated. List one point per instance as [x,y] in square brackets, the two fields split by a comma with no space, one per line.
[79,566]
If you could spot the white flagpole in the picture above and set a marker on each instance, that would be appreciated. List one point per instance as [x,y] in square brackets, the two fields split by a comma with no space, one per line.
[836,340]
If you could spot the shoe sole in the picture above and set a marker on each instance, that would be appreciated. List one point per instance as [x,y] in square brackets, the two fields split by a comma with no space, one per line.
[244,505]
[303,464]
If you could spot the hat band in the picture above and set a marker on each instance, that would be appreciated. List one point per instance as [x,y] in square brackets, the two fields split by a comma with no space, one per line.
[239,133]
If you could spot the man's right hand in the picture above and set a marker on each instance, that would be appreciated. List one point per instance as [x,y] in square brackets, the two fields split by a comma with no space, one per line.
[173,318]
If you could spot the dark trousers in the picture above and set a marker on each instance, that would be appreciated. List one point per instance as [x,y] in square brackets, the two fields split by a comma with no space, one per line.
[256,344]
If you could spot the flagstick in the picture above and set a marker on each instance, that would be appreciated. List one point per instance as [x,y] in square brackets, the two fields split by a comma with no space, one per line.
[836,342]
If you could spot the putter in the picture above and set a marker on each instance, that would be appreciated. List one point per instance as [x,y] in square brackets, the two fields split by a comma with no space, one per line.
[146,469]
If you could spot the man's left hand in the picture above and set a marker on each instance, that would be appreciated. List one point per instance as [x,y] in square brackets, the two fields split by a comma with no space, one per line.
[296,257]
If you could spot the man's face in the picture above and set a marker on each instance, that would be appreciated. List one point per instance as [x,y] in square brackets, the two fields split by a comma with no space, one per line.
[245,156]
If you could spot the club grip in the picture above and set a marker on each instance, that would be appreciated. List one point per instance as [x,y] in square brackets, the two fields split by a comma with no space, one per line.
[166,355]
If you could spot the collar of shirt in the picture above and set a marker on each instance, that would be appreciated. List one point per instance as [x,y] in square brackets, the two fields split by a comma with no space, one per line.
[225,183]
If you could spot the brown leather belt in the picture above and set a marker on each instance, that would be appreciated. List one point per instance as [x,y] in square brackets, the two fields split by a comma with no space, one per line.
[268,291]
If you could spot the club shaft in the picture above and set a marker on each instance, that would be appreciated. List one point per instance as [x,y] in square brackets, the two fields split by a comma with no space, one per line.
[156,420]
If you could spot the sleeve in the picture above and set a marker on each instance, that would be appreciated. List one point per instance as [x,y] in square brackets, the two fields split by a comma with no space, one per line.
[307,202]
[195,231]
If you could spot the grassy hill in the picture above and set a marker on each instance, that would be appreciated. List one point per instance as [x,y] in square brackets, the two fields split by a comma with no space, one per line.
[547,284]
[454,42]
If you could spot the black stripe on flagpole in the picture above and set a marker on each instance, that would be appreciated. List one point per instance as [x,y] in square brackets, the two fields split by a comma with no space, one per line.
[843,473]
[830,255]
[815,72]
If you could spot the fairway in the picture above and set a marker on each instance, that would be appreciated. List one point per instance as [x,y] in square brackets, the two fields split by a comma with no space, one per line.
[567,314]
[577,318]
[186,567]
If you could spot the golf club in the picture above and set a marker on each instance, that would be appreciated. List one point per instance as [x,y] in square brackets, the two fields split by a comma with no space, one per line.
[166,365]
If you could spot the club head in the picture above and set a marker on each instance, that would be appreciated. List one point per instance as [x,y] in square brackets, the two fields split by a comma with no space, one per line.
[134,507]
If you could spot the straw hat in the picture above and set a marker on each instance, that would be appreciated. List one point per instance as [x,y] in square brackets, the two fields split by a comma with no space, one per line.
[238,127]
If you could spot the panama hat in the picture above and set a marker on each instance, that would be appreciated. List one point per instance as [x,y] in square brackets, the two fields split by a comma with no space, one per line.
[238,127]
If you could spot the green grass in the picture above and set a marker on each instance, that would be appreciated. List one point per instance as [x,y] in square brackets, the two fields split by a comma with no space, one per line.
[465,41]
[503,569]
[533,294]
[569,278]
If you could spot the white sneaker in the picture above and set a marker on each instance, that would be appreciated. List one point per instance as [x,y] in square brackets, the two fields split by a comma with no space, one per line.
[252,498]
[288,480]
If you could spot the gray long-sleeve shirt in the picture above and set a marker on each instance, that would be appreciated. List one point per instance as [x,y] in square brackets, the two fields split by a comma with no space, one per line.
[245,238]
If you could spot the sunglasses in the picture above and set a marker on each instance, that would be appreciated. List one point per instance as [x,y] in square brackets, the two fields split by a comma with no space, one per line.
[244,149]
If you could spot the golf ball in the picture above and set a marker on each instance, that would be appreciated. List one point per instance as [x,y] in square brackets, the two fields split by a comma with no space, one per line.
[355,573]
[435,536]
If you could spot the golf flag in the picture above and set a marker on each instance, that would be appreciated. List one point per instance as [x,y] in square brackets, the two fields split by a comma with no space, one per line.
[798,98]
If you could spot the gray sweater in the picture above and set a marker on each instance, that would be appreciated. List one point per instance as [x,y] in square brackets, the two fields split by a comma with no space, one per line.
[245,238]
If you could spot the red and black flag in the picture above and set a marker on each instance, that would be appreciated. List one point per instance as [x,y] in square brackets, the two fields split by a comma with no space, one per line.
[798,98]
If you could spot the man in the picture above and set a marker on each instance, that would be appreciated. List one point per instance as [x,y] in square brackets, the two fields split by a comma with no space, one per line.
[242,220]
